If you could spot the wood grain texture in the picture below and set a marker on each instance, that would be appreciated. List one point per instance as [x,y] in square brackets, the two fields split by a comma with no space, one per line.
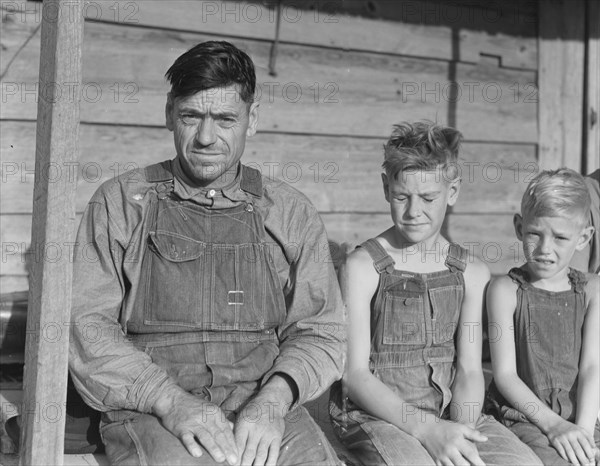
[316,91]
[592,110]
[49,301]
[560,81]
[421,28]
[16,28]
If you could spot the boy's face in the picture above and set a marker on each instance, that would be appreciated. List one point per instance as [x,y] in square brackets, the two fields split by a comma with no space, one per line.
[550,242]
[418,201]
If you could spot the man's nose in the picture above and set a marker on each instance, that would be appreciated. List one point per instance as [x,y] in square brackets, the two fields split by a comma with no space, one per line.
[205,134]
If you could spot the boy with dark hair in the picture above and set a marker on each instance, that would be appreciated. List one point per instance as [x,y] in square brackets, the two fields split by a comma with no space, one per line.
[197,332]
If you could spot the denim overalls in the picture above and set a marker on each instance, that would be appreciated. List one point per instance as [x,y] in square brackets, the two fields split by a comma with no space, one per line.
[210,298]
[548,336]
[414,323]
[548,331]
[414,319]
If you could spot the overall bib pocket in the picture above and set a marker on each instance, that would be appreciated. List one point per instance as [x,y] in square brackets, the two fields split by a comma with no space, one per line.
[446,302]
[404,321]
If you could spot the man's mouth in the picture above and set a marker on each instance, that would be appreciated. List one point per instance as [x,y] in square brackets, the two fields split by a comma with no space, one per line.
[206,154]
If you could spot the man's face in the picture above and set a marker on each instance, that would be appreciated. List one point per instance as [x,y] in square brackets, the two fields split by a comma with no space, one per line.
[418,201]
[210,130]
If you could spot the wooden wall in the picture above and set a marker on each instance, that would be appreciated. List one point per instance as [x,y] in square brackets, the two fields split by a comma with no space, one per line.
[343,77]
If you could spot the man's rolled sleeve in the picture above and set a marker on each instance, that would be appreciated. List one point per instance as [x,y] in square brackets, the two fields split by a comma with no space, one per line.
[107,369]
[313,334]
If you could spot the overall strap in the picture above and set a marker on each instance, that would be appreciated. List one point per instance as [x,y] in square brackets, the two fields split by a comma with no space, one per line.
[381,259]
[159,172]
[456,260]
[251,181]
[519,276]
[578,280]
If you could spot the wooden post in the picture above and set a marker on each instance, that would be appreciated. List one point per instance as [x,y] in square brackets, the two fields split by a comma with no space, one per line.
[592,104]
[560,82]
[48,314]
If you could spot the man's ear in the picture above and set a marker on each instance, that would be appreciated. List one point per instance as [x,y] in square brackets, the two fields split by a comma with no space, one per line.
[453,191]
[252,119]
[169,120]
[386,186]
[585,237]
[518,223]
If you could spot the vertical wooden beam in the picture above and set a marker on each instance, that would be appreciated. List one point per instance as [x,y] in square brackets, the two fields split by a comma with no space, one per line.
[560,82]
[48,314]
[592,104]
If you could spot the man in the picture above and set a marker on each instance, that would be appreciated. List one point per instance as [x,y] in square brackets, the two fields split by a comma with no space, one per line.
[203,314]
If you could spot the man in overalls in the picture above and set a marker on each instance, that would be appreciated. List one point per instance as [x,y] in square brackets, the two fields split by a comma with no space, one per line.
[205,311]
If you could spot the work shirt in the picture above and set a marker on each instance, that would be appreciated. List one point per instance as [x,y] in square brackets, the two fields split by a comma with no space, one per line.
[115,353]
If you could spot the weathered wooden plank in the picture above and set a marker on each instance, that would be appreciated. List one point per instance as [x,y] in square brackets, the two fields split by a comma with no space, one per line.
[560,81]
[49,302]
[489,236]
[248,19]
[592,105]
[337,174]
[317,90]
[16,28]
[422,28]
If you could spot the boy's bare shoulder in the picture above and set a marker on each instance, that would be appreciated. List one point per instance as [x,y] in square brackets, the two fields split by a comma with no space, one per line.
[476,270]
[359,257]
[357,274]
[503,284]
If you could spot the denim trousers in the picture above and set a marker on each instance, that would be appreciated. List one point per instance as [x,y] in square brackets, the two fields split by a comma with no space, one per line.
[378,442]
[142,440]
[532,435]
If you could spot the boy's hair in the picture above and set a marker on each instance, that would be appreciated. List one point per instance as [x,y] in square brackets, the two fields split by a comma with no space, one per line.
[554,193]
[212,64]
[422,145]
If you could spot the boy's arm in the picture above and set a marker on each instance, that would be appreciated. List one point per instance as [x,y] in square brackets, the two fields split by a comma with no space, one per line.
[446,442]
[468,387]
[589,383]
[565,437]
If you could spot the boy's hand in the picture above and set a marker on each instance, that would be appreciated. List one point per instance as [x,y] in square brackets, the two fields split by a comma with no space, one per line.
[451,443]
[572,442]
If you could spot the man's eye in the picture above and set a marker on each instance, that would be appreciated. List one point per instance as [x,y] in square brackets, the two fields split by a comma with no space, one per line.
[227,121]
[188,119]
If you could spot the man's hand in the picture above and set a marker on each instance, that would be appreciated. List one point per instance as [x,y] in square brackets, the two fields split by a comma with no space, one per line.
[198,422]
[260,425]
[572,442]
[451,443]
[258,432]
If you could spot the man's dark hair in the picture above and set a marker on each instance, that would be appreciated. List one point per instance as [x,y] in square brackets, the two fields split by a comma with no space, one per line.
[209,65]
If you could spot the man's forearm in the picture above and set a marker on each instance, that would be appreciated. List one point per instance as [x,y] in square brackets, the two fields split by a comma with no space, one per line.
[280,392]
